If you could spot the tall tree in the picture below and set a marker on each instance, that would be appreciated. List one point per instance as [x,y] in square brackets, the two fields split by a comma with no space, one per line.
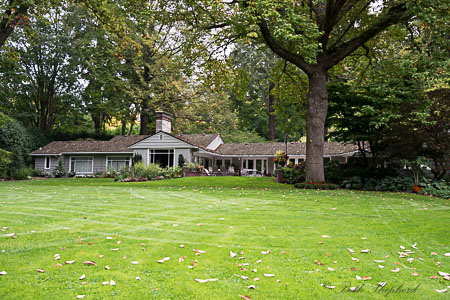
[41,72]
[314,36]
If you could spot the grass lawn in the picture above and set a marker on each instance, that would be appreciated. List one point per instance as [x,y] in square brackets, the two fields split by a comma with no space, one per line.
[83,219]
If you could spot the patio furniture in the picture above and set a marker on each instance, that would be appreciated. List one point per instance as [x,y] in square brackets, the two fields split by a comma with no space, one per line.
[231,170]
[244,172]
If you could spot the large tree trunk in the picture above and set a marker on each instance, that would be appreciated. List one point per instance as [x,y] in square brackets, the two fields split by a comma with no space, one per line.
[96,117]
[315,125]
[124,126]
[270,111]
[144,117]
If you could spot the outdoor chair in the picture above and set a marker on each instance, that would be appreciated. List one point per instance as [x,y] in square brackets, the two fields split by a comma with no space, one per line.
[244,172]
[231,170]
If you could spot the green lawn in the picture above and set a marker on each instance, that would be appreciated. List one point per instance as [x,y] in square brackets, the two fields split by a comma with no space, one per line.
[74,217]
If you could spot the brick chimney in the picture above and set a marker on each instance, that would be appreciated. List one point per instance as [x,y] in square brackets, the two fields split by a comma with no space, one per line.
[163,122]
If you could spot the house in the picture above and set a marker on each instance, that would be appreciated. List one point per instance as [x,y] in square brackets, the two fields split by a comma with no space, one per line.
[164,148]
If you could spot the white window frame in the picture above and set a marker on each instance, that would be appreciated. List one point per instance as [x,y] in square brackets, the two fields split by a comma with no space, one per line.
[49,159]
[128,157]
[149,157]
[92,167]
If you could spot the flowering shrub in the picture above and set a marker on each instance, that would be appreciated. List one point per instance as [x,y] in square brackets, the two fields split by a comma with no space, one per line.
[280,158]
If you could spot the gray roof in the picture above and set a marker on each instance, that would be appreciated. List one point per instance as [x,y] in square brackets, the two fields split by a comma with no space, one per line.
[201,140]
[330,148]
[115,145]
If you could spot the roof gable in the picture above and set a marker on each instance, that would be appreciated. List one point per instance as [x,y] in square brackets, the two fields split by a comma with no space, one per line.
[162,140]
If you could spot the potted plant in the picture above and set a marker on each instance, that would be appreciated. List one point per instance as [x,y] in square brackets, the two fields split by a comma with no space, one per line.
[416,167]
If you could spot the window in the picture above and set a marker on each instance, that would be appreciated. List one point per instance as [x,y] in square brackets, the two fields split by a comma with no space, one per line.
[82,164]
[163,158]
[219,162]
[160,137]
[292,160]
[250,164]
[47,162]
[227,163]
[115,163]
[245,164]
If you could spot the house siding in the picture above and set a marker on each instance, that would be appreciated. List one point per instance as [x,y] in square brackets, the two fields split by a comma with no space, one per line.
[39,163]
[154,142]
[187,154]
[144,154]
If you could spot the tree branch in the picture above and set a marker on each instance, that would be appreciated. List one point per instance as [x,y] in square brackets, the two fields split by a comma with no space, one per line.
[396,14]
[278,49]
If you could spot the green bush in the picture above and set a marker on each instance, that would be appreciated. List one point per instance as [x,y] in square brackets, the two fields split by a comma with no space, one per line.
[14,138]
[295,174]
[59,171]
[436,188]
[391,184]
[21,173]
[5,161]
[316,186]
[181,160]
[333,171]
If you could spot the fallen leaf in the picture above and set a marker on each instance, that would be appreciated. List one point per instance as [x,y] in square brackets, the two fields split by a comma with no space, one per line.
[134,262]
[378,261]
[40,270]
[244,277]
[441,291]
[105,282]
[245,297]
[90,263]
[258,261]
[283,252]
[363,238]
[434,277]
[10,234]
[414,246]
[351,250]
[326,236]
[355,259]
[443,273]
[112,282]
[330,269]
[138,278]
[365,251]
[358,277]
[396,270]
[181,246]
[367,278]
[265,252]
[109,238]
[447,254]
[327,254]
[181,259]
[269,275]
[69,262]
[107,268]
[256,279]
[82,277]
[3,273]
[164,260]
[80,296]
[434,253]
[115,249]
[352,289]
[402,247]
[232,254]
[206,280]
[252,287]
[380,266]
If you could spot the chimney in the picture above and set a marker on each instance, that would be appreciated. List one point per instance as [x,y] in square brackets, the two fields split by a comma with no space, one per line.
[163,122]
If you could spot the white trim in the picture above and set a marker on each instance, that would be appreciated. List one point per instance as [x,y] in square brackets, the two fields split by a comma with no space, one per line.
[49,162]
[74,153]
[92,168]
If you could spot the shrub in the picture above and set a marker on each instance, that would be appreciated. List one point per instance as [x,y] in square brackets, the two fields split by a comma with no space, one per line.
[5,161]
[333,171]
[436,188]
[181,160]
[136,159]
[59,171]
[316,186]
[294,174]
[14,138]
[280,158]
[395,184]
[21,173]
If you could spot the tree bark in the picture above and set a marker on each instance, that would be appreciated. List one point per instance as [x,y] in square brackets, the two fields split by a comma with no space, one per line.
[96,117]
[315,125]
[124,127]
[270,112]
[144,117]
